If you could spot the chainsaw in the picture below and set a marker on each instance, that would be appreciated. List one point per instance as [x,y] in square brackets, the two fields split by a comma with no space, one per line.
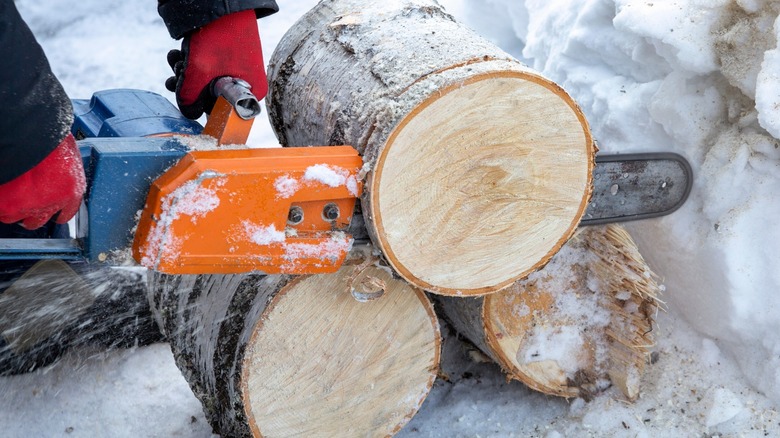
[193,207]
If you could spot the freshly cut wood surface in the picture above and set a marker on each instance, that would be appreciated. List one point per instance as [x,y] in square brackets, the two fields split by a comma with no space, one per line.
[580,324]
[479,168]
[325,364]
[480,185]
[353,353]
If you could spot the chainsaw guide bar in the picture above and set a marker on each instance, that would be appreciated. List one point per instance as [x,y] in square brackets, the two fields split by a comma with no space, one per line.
[629,187]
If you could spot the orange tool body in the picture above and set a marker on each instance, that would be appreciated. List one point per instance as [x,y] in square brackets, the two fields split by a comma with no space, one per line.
[227,211]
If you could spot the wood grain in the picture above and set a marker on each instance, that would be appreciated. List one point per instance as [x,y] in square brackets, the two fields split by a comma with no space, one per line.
[280,356]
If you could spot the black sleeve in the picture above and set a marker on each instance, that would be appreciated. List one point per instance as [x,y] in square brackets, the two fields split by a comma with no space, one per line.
[35,112]
[182,16]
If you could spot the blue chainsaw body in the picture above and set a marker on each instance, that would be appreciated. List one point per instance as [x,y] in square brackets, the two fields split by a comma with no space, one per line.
[116,132]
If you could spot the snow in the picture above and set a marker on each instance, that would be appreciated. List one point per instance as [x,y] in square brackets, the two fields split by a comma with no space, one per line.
[724,405]
[332,176]
[286,186]
[768,88]
[575,318]
[333,248]
[263,235]
[129,393]
[684,77]
[194,201]
[696,77]
[329,175]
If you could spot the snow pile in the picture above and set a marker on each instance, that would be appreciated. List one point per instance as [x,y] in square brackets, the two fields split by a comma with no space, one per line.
[332,176]
[329,250]
[697,77]
[205,143]
[574,321]
[299,250]
[192,199]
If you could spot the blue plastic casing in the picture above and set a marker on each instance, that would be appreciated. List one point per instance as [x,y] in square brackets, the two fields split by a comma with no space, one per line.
[121,161]
[129,113]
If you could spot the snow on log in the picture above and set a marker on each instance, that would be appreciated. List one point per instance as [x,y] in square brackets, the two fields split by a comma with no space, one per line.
[353,353]
[479,169]
[582,322]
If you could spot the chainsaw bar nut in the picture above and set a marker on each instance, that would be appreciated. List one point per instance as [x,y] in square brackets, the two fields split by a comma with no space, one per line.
[331,212]
[295,216]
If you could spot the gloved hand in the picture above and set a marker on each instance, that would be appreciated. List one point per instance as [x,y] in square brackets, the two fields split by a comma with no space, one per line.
[56,184]
[228,46]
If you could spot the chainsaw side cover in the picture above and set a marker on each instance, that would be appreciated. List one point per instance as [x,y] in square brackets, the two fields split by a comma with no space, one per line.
[277,210]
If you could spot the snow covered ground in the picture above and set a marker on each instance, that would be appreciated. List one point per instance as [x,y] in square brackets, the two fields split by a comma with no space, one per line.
[697,77]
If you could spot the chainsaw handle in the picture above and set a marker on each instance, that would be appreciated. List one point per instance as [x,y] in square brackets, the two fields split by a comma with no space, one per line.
[239,95]
[230,121]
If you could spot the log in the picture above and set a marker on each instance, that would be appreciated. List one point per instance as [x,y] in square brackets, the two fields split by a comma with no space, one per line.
[479,168]
[353,353]
[574,327]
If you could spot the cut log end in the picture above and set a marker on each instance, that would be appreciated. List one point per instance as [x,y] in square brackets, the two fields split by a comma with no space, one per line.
[581,323]
[325,362]
[482,183]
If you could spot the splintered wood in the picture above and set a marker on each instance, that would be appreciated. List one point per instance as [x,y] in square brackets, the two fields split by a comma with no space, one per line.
[580,324]
[479,168]
[353,353]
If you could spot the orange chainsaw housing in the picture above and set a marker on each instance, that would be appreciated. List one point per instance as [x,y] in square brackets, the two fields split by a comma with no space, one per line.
[276,210]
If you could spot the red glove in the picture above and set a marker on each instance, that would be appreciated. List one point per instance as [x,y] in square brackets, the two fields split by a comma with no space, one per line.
[56,184]
[228,46]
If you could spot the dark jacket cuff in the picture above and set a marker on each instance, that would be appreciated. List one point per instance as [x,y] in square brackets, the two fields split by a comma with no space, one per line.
[182,16]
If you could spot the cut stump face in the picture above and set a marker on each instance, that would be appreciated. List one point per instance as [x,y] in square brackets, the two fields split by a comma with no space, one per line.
[482,183]
[323,363]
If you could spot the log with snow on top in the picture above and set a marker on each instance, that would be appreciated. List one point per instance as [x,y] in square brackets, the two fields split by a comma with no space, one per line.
[478,168]
[353,353]
[580,324]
